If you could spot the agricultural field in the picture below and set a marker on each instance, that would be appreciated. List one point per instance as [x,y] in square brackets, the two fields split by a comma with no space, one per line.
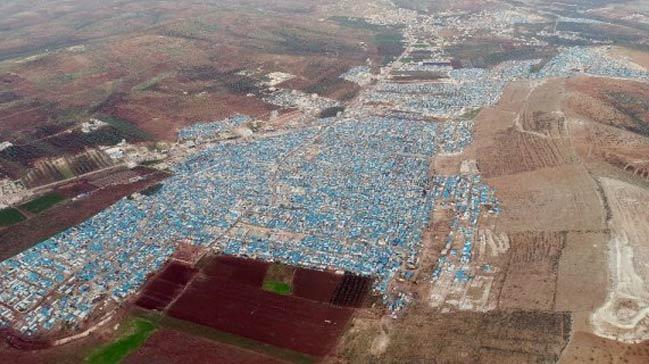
[137,334]
[287,312]
[10,216]
[43,203]
[168,284]
[299,317]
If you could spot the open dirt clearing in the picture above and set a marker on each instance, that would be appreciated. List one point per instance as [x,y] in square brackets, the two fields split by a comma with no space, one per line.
[552,199]
[639,57]
[588,348]
[624,315]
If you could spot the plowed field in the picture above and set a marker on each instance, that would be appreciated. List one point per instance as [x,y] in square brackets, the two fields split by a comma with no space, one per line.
[174,347]
[285,321]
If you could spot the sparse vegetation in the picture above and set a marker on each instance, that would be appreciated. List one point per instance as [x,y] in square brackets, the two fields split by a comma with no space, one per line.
[279,279]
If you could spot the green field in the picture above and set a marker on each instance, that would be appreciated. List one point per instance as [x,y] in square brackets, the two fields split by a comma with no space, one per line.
[43,203]
[471,114]
[10,216]
[278,287]
[128,130]
[389,44]
[278,279]
[139,331]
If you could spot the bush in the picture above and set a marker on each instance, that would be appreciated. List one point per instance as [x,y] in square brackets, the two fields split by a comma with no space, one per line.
[331,112]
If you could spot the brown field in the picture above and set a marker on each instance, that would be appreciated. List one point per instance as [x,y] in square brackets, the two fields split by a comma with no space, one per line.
[552,199]
[636,56]
[581,282]
[423,336]
[588,348]
[618,138]
[531,138]
[622,152]
[621,104]
[532,271]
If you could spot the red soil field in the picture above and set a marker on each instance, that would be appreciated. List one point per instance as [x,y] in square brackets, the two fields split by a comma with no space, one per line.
[174,347]
[243,271]
[286,321]
[24,117]
[159,292]
[226,295]
[341,290]
[315,285]
[17,341]
[177,273]
[154,302]
[162,115]
[74,189]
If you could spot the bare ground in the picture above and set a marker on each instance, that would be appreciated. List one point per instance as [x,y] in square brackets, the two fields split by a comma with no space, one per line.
[544,155]
[624,315]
